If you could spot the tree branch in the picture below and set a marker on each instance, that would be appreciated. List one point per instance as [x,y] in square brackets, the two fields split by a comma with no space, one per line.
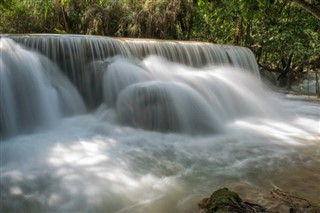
[311,8]
[283,5]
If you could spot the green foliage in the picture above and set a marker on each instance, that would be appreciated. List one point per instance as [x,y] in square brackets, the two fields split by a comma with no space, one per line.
[291,32]
[5,5]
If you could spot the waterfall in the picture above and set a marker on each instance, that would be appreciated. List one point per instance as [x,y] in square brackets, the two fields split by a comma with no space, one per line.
[167,96]
[74,53]
[157,85]
[65,49]
[97,124]
[33,91]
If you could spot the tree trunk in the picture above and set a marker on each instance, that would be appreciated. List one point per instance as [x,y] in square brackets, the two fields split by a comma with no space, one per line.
[238,34]
[311,8]
[317,84]
[66,26]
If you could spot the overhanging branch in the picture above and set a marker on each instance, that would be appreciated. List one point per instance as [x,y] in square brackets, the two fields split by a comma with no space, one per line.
[311,8]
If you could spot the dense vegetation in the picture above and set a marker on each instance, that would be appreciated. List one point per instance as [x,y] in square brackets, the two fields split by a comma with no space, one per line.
[284,34]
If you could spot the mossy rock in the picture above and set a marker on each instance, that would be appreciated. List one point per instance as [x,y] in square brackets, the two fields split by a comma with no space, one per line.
[225,201]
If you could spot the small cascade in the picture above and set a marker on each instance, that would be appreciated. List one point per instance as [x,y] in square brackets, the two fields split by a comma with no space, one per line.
[166,107]
[157,85]
[75,54]
[180,98]
[65,49]
[230,92]
[161,95]
[33,91]
[195,54]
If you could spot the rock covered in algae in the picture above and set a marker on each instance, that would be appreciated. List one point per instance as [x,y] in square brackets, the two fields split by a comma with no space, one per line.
[225,201]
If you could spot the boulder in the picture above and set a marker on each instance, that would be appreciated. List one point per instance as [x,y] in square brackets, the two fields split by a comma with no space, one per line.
[226,201]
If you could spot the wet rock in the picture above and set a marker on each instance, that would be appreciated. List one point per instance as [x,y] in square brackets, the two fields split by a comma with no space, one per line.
[226,201]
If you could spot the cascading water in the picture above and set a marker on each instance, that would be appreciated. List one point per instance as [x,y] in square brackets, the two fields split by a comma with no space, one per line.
[33,91]
[79,56]
[159,135]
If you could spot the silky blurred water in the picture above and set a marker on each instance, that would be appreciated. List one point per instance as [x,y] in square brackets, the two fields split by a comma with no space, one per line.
[89,163]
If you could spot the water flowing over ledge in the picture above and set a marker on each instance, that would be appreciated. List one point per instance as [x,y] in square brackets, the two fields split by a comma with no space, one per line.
[96,47]
[150,93]
[73,52]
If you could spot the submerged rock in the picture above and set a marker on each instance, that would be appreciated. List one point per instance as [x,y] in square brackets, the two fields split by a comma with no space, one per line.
[166,107]
[294,203]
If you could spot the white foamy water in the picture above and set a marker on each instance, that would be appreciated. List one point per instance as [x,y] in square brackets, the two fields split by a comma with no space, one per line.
[90,164]
[160,142]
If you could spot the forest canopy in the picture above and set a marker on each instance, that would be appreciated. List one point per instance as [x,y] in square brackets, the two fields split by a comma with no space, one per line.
[283,34]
